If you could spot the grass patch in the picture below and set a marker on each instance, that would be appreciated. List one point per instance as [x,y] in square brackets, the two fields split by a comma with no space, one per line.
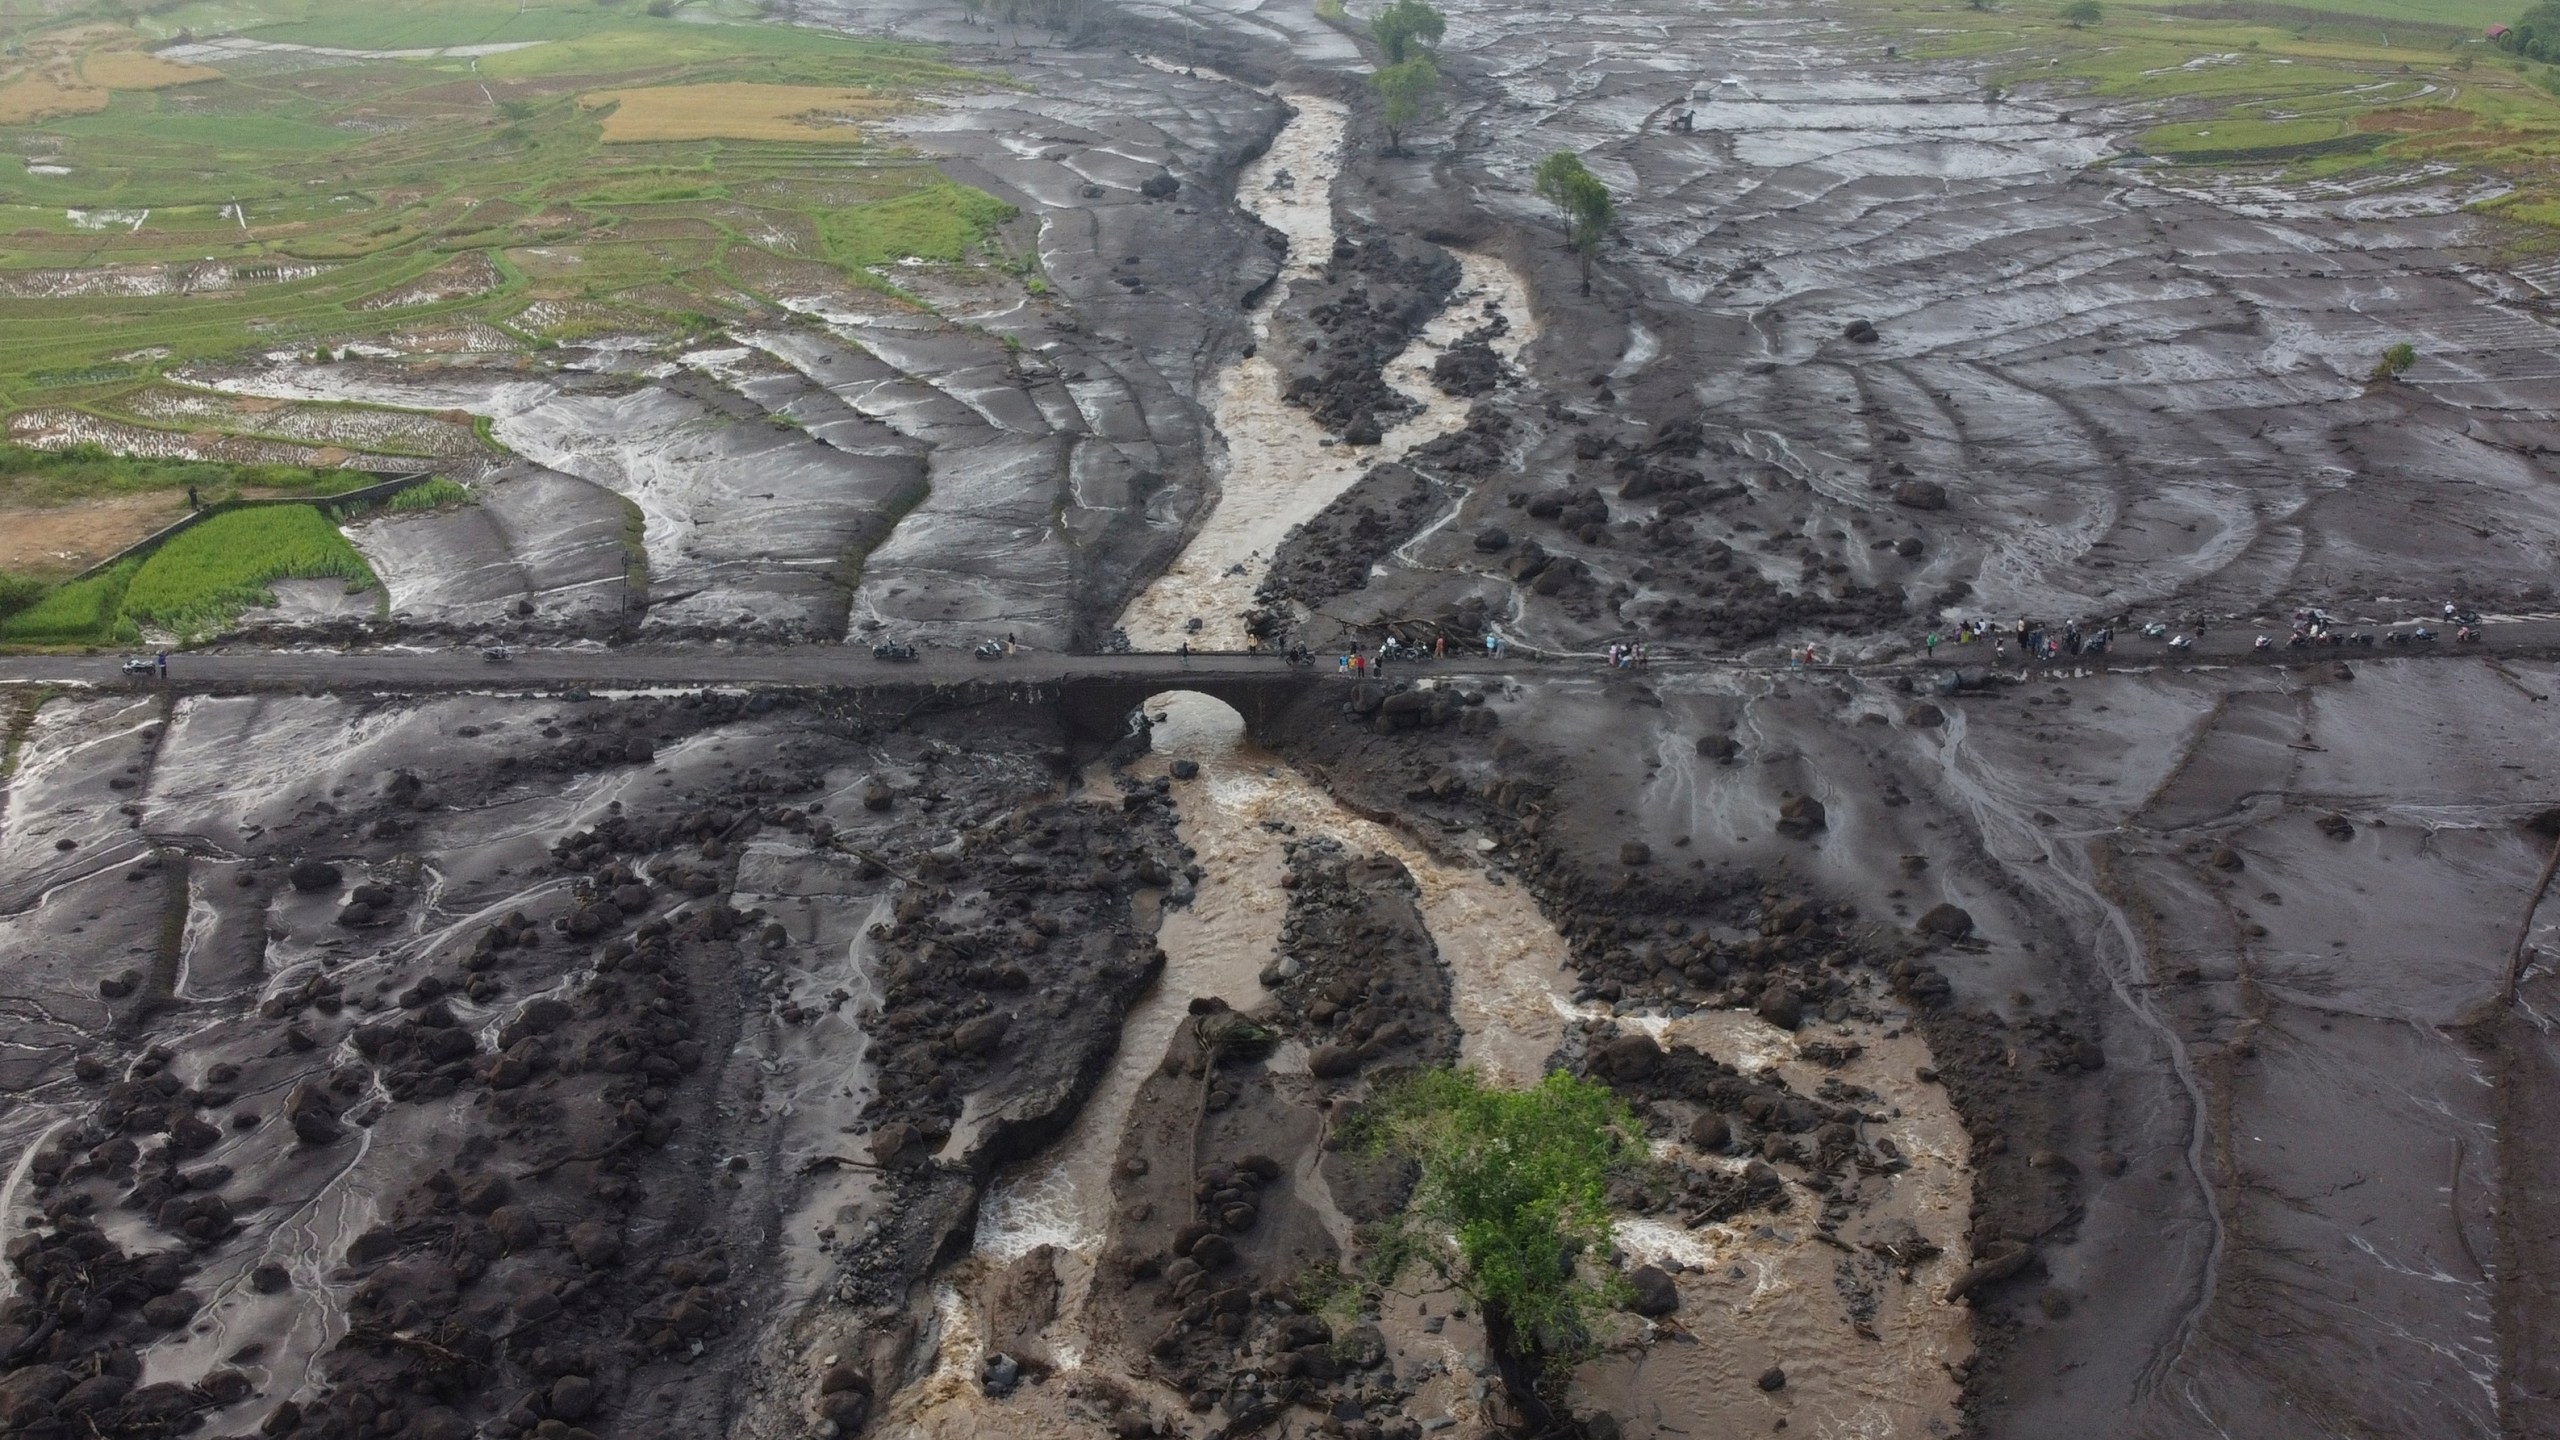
[201,580]
[940,221]
[435,494]
[36,478]
[359,174]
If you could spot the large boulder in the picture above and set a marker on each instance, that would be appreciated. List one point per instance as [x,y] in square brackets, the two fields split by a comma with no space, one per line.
[1628,1057]
[311,875]
[596,1245]
[1781,1006]
[1799,816]
[1920,495]
[980,1036]
[1654,1292]
[1947,922]
[1710,1133]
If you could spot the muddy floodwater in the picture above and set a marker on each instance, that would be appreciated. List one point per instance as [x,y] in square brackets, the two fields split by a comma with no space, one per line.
[1279,465]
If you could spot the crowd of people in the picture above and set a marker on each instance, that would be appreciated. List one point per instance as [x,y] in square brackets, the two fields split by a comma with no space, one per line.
[2032,638]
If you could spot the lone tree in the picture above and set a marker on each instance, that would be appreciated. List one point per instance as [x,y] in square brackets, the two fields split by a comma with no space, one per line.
[1404,27]
[2080,13]
[1513,1192]
[1582,200]
[1406,95]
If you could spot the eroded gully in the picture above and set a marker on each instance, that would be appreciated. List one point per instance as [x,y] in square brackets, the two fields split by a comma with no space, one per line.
[1767,1287]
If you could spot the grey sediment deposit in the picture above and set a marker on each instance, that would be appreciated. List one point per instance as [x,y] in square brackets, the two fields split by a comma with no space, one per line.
[2112,1049]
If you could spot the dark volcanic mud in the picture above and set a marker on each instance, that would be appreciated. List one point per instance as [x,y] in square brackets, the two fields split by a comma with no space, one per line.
[496,1065]
[744,999]
[1868,354]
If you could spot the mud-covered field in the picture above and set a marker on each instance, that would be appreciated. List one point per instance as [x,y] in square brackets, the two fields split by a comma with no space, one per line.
[2137,1045]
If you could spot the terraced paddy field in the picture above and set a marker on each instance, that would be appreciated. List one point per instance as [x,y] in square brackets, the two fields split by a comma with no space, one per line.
[2361,92]
[475,182]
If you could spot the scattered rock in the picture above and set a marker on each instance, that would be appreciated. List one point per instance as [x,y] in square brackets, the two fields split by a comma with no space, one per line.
[1947,922]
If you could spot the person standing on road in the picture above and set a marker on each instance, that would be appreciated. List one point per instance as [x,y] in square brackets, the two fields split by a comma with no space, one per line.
[1342,664]
[164,664]
[1439,647]
[1931,640]
[1184,651]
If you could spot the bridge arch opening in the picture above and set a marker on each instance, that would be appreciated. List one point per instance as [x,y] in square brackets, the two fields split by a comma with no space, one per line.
[1190,725]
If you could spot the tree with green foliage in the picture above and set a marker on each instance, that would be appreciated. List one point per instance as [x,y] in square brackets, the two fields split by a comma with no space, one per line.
[1512,1196]
[2536,33]
[1406,26]
[2081,13]
[2395,361]
[1585,203]
[1406,96]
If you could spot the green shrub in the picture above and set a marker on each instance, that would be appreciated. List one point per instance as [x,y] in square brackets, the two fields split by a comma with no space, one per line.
[17,592]
[1513,1196]
[82,611]
[432,495]
[205,577]
[938,222]
[84,471]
